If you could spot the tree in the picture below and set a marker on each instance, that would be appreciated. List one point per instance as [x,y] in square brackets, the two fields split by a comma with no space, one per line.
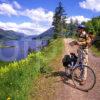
[94,26]
[72,27]
[59,21]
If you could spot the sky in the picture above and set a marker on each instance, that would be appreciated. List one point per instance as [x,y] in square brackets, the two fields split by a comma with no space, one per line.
[35,16]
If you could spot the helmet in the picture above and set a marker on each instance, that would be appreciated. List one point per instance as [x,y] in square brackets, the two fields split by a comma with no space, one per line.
[81,26]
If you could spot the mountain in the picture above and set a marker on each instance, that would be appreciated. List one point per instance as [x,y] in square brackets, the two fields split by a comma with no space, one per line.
[31,36]
[47,34]
[10,35]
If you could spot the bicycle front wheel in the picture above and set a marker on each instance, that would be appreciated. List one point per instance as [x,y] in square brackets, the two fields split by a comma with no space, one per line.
[90,78]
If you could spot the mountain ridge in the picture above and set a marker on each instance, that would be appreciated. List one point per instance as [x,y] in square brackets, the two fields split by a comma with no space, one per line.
[48,34]
[10,35]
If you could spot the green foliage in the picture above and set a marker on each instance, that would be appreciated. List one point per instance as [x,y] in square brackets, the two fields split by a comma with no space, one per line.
[2,63]
[94,26]
[53,50]
[95,51]
[59,20]
[16,78]
[90,27]
[55,36]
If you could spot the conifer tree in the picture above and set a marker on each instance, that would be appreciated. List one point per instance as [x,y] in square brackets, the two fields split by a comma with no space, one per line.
[59,21]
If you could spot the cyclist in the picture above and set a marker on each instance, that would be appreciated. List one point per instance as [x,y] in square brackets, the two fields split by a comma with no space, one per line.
[83,42]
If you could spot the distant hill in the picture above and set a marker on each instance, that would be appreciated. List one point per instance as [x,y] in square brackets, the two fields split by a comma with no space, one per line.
[10,35]
[31,36]
[46,35]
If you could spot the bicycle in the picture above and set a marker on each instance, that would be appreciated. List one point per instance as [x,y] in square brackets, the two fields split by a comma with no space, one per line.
[76,73]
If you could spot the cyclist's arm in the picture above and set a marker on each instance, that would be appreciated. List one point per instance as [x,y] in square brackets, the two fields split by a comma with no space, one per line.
[79,42]
[88,41]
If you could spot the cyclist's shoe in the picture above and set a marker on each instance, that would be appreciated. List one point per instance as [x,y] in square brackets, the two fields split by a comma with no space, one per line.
[83,82]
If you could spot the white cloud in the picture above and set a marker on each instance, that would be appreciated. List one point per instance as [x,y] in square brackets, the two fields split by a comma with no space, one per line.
[79,18]
[38,14]
[10,9]
[7,9]
[16,5]
[28,28]
[93,5]
[40,19]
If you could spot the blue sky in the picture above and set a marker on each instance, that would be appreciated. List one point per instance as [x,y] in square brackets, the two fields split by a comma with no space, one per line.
[35,16]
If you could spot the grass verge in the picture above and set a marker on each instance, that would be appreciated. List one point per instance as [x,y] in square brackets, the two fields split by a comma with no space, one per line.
[95,51]
[2,63]
[44,87]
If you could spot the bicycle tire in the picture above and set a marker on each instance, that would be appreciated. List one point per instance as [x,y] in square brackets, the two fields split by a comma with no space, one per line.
[76,82]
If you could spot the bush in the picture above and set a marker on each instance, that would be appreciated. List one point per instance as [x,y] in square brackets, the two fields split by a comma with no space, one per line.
[15,78]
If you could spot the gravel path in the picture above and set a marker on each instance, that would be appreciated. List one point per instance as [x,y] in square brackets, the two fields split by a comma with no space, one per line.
[66,92]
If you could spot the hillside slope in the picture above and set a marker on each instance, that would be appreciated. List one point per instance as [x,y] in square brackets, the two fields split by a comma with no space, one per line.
[10,35]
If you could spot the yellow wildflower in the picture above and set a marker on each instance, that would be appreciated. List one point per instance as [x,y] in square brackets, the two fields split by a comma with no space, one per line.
[8,98]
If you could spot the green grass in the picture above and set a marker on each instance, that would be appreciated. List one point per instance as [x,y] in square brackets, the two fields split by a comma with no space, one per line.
[3,64]
[16,78]
[96,48]
[95,51]
[53,49]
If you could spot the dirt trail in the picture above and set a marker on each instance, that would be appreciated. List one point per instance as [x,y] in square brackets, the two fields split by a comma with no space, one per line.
[66,92]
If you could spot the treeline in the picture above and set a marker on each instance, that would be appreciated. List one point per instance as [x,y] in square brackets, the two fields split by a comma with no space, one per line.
[61,27]
[94,26]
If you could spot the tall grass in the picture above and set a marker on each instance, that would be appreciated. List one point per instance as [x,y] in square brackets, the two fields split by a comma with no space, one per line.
[16,77]
[95,51]
[2,63]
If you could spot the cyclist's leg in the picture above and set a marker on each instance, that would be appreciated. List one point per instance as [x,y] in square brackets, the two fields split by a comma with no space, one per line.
[79,52]
[85,62]
[67,71]
[83,56]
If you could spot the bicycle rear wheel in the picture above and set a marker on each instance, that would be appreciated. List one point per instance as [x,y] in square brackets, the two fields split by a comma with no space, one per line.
[90,79]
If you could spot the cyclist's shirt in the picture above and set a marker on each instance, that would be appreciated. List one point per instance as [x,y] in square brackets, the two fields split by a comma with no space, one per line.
[83,38]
